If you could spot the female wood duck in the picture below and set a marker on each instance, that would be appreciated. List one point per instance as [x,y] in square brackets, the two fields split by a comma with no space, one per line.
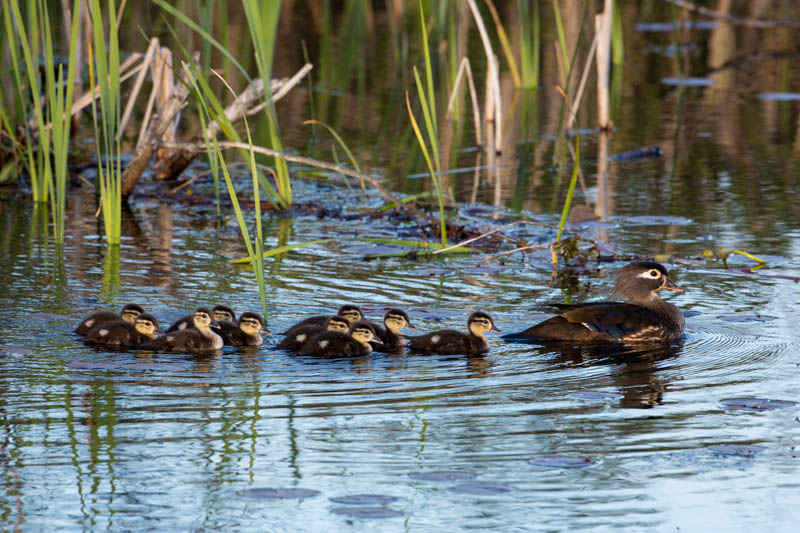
[356,343]
[295,341]
[222,313]
[452,342]
[350,312]
[642,317]
[121,334]
[246,333]
[199,339]
[394,320]
[128,314]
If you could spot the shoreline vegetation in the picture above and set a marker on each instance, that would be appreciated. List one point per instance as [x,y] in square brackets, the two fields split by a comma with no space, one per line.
[193,111]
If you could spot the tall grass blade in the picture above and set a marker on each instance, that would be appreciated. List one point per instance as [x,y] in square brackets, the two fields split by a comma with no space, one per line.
[571,191]
[530,42]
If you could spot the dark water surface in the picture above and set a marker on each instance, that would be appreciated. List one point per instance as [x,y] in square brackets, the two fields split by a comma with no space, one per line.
[703,435]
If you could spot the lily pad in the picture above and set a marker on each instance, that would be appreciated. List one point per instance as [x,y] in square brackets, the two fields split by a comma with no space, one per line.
[780,97]
[278,494]
[756,404]
[656,220]
[736,450]
[562,461]
[364,499]
[480,489]
[367,512]
[442,475]
[92,365]
[595,395]
[152,367]
[748,318]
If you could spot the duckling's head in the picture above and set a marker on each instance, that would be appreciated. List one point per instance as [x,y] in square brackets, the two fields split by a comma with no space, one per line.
[338,323]
[203,318]
[363,332]
[223,313]
[252,324]
[130,312]
[396,319]
[480,323]
[640,282]
[351,313]
[146,324]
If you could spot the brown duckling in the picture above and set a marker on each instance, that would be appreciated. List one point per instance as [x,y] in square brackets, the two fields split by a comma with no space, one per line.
[452,342]
[121,334]
[128,314]
[245,333]
[356,343]
[642,316]
[351,312]
[222,313]
[394,320]
[295,341]
[199,339]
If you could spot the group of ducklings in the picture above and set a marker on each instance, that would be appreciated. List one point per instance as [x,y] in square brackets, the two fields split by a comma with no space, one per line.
[203,331]
[641,316]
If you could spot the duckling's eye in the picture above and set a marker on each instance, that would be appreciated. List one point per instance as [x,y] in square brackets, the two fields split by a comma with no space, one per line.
[655,273]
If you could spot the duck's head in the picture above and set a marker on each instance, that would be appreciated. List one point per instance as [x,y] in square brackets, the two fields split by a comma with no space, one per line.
[338,323]
[480,323]
[203,319]
[351,313]
[252,324]
[396,319]
[223,313]
[363,332]
[146,324]
[130,312]
[641,281]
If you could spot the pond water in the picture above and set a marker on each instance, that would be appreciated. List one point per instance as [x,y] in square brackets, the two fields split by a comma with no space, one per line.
[702,435]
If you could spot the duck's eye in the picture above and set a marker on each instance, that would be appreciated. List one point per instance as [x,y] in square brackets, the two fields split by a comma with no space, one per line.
[655,273]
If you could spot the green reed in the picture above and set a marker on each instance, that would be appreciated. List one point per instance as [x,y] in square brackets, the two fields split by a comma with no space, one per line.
[262,19]
[427,98]
[617,43]
[104,56]
[530,42]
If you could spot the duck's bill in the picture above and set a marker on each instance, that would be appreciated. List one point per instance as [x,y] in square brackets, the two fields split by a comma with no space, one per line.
[670,286]
[376,340]
[494,329]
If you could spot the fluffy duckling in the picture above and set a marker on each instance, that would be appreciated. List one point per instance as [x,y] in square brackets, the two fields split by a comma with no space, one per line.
[452,342]
[350,312]
[121,334]
[394,320]
[222,313]
[199,339]
[295,341]
[356,343]
[128,314]
[642,316]
[245,333]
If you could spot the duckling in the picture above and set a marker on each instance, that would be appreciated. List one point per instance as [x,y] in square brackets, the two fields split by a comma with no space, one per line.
[245,333]
[452,342]
[121,334]
[350,312]
[222,313]
[394,320]
[642,317]
[301,335]
[199,339]
[337,344]
[128,314]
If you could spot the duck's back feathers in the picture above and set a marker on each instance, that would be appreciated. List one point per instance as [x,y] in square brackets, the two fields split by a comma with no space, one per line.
[116,334]
[96,319]
[334,344]
[299,337]
[186,322]
[448,342]
[184,341]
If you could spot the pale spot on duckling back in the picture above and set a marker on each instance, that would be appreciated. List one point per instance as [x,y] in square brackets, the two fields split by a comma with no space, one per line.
[323,344]
[103,332]
[435,339]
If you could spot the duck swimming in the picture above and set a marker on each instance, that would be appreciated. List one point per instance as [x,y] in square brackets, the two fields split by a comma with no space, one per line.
[350,312]
[128,314]
[394,320]
[641,316]
[246,333]
[356,343]
[199,339]
[121,334]
[222,313]
[301,335]
[453,342]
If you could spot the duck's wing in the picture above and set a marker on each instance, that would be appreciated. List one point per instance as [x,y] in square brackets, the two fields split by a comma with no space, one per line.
[597,321]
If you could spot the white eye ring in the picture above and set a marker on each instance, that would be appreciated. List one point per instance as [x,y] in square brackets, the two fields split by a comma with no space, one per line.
[655,273]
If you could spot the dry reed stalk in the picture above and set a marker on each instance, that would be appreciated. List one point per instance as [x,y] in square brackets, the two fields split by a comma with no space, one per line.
[284,86]
[137,85]
[584,76]
[493,103]
[602,25]
[464,68]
